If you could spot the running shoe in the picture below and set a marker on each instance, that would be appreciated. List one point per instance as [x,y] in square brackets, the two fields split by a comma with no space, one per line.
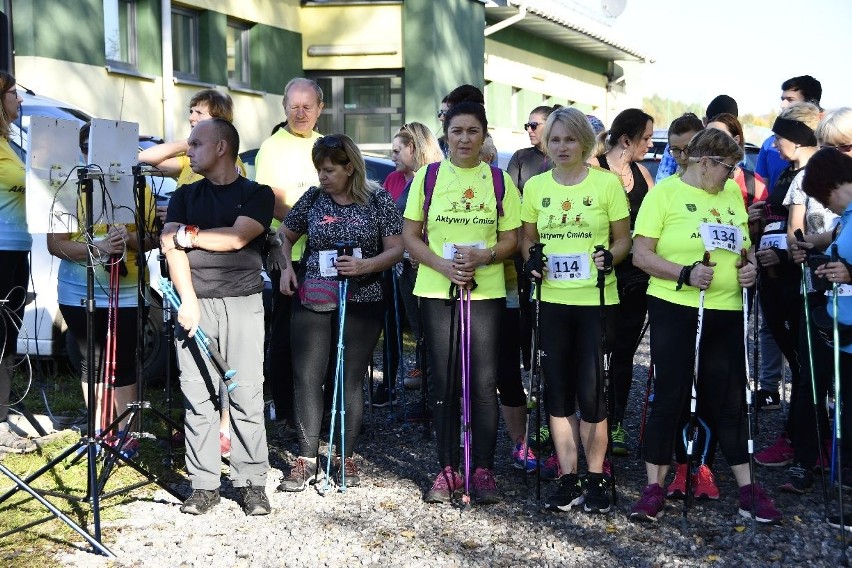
[382,397]
[11,442]
[767,400]
[619,441]
[677,488]
[834,521]
[483,487]
[799,480]
[551,469]
[413,379]
[778,454]
[764,509]
[130,448]
[704,484]
[650,507]
[518,457]
[569,493]
[598,490]
[448,483]
[301,474]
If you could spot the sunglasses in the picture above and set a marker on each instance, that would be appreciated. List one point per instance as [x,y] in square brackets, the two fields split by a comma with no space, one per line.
[531,125]
[441,113]
[331,142]
[845,148]
[728,167]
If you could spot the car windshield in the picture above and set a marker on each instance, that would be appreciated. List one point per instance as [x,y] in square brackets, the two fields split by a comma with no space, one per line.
[50,111]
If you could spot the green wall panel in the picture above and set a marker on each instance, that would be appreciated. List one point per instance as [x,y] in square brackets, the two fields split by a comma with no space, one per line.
[212,53]
[520,39]
[275,57]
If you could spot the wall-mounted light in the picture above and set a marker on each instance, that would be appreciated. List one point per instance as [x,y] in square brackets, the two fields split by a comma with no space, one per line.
[338,50]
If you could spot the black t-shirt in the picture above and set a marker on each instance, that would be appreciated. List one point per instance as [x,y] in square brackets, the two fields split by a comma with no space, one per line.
[526,163]
[328,223]
[210,206]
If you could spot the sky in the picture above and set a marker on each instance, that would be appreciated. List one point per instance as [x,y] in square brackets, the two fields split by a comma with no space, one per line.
[743,48]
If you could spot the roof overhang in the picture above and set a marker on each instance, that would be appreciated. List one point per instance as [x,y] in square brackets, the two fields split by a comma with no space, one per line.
[561,25]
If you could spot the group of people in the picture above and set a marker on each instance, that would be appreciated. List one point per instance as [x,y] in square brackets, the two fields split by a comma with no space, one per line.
[575,226]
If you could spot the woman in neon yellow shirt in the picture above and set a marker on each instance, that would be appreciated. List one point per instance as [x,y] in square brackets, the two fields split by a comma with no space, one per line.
[467,240]
[572,209]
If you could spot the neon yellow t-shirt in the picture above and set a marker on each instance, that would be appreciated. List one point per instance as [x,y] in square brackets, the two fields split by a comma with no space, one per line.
[284,161]
[463,211]
[187,176]
[673,213]
[571,220]
[14,232]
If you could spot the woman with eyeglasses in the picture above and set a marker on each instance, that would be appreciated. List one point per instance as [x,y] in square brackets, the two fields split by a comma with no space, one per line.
[529,162]
[752,186]
[459,237]
[780,278]
[684,217]
[15,244]
[626,143]
[346,209]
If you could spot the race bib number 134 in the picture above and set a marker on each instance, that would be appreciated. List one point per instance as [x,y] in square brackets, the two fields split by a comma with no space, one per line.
[719,236]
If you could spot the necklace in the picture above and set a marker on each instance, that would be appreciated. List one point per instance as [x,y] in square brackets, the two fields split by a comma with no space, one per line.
[477,172]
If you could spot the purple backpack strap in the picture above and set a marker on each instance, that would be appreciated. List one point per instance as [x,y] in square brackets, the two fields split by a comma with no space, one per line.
[499,188]
[428,190]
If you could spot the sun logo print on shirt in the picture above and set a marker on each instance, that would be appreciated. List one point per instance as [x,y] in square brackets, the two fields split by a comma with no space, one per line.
[469,204]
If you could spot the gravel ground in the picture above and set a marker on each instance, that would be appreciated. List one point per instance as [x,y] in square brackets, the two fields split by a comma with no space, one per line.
[385,521]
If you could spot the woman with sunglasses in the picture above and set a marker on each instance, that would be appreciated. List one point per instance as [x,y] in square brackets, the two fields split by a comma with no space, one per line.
[345,208]
[529,162]
[459,244]
[780,278]
[15,244]
[680,220]
[626,143]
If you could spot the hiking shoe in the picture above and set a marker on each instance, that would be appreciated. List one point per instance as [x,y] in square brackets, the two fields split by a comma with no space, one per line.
[521,450]
[767,400]
[834,521]
[253,500]
[302,473]
[200,502]
[598,490]
[382,397]
[130,448]
[649,508]
[764,509]
[677,488]
[799,480]
[448,484]
[551,469]
[413,379]
[778,454]
[353,475]
[224,445]
[13,443]
[704,484]
[568,494]
[619,441]
[483,488]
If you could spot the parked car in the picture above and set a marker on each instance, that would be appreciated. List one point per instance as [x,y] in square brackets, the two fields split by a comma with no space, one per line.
[378,166]
[44,333]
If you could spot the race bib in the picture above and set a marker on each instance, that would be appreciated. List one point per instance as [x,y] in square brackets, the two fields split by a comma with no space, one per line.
[778,240]
[718,236]
[450,248]
[568,267]
[328,261]
[842,290]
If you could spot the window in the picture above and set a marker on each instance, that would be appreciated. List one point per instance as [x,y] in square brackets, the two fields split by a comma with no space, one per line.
[120,33]
[237,48]
[185,43]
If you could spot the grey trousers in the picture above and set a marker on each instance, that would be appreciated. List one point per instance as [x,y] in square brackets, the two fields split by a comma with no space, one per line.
[235,325]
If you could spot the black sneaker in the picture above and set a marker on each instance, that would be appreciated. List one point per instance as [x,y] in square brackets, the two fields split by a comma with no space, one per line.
[767,400]
[301,474]
[799,480]
[200,502]
[353,475]
[597,493]
[254,500]
[568,494]
[834,521]
[382,397]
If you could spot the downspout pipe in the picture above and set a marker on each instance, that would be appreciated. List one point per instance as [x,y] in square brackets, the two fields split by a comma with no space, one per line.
[168,69]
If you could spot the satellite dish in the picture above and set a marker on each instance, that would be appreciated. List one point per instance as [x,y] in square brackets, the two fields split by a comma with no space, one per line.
[613,8]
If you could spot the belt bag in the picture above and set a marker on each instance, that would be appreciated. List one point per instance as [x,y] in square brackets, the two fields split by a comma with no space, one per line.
[319,295]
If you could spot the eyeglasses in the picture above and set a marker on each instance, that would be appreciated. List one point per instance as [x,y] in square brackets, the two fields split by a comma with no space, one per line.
[331,142]
[12,92]
[675,151]
[532,125]
[728,167]
[441,113]
[845,148]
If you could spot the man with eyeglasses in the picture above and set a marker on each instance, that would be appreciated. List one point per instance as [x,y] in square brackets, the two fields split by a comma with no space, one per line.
[284,163]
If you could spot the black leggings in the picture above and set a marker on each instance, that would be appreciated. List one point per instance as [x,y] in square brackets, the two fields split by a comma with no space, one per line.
[721,379]
[279,359]
[14,279]
[629,321]
[444,377]
[571,341]
[509,382]
[125,348]
[313,339]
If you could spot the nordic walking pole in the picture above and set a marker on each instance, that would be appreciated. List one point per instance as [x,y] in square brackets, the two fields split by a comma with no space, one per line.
[400,378]
[645,404]
[536,264]
[749,393]
[464,321]
[801,238]
[838,402]
[693,403]
[604,375]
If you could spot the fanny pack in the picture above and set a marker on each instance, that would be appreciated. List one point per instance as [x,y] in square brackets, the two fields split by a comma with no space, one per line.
[319,295]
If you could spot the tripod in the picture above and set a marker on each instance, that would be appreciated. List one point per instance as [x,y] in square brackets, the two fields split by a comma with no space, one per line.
[90,444]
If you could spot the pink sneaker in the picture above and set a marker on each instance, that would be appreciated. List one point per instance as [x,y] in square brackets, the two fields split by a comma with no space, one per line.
[677,488]
[551,469]
[447,484]
[704,484]
[778,454]
[483,488]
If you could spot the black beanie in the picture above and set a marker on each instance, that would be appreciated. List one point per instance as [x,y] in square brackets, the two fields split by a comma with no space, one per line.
[722,103]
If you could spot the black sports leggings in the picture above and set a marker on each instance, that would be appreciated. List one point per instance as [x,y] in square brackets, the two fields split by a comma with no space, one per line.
[571,341]
[313,339]
[444,377]
[509,382]
[125,348]
[721,379]
[629,320]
